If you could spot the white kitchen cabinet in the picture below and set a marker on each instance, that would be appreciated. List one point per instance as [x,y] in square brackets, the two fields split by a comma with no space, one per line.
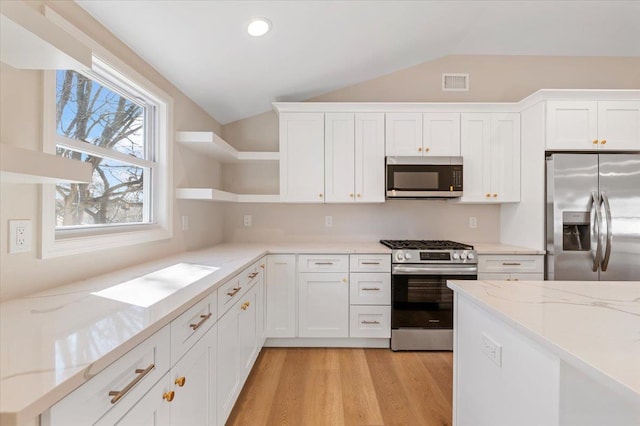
[261,319]
[301,157]
[281,295]
[490,147]
[441,134]
[248,331]
[593,125]
[403,134]
[354,157]
[521,267]
[323,304]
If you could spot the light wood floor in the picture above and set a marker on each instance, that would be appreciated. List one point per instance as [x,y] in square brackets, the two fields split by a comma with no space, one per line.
[304,386]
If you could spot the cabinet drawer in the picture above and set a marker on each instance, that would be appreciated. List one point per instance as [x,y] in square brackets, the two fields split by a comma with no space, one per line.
[323,263]
[511,263]
[370,263]
[370,289]
[236,287]
[193,324]
[370,321]
[132,376]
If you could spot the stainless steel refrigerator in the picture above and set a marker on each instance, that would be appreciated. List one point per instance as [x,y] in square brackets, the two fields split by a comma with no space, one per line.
[593,217]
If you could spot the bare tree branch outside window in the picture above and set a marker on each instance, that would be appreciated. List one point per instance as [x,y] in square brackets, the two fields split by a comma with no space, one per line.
[92,113]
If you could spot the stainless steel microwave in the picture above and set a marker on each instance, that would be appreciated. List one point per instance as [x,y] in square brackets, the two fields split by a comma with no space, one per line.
[424,177]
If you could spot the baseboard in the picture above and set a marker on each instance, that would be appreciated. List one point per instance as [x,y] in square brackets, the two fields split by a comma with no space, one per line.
[317,342]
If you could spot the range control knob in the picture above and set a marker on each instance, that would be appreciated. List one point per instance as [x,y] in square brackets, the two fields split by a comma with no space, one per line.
[455,255]
[407,256]
[399,256]
[470,256]
[463,255]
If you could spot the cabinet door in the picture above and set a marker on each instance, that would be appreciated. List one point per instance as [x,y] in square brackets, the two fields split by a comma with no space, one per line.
[441,134]
[151,410]
[193,380]
[247,331]
[369,158]
[505,158]
[261,321]
[404,133]
[619,125]
[281,292]
[324,304]
[228,366]
[572,125]
[302,157]
[339,158]
[475,148]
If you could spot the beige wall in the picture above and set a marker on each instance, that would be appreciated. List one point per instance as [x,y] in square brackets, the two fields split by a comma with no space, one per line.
[21,125]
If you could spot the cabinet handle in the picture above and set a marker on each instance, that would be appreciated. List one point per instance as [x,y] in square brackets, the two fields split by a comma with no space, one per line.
[280,263]
[495,195]
[370,322]
[420,149]
[234,292]
[359,195]
[245,305]
[351,195]
[202,321]
[595,142]
[320,195]
[117,395]
[426,150]
[253,275]
[370,263]
[180,381]
[262,266]
[323,263]
[488,195]
[168,396]
[510,263]
[344,280]
[603,141]
[515,279]
[371,288]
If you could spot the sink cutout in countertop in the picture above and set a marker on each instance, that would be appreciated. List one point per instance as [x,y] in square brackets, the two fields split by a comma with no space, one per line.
[152,288]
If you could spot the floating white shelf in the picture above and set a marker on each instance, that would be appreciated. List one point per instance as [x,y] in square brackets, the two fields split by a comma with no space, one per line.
[19,165]
[28,40]
[213,145]
[210,194]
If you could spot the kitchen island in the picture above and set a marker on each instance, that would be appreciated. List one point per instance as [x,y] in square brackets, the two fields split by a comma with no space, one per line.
[546,352]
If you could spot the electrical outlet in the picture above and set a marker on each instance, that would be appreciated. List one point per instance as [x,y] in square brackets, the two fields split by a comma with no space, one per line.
[328,221]
[247,220]
[491,349]
[473,222]
[185,222]
[19,236]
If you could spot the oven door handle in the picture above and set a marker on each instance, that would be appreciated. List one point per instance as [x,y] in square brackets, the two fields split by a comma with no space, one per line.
[435,270]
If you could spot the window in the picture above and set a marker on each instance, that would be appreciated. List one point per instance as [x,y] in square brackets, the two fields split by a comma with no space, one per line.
[120,127]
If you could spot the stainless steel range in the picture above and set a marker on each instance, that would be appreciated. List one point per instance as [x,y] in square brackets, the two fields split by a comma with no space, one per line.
[422,304]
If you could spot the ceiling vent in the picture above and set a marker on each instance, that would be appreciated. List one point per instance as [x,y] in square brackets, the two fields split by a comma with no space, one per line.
[455,82]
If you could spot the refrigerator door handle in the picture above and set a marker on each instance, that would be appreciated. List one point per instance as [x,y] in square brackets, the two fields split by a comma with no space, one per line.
[595,228]
[607,251]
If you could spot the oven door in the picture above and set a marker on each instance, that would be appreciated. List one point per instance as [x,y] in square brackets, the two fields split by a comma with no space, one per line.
[421,298]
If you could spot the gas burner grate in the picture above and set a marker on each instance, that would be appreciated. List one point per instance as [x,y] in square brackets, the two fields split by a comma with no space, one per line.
[425,245]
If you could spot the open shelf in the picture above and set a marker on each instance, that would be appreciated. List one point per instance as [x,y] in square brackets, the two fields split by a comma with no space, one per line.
[28,40]
[209,143]
[210,194]
[19,165]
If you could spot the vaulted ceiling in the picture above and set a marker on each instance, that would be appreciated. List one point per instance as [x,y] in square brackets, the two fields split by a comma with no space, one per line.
[314,47]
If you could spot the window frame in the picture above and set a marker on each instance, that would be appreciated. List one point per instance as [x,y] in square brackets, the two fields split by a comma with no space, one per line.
[76,240]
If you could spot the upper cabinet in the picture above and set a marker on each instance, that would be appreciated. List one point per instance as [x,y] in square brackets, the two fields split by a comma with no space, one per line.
[28,40]
[418,134]
[589,125]
[302,157]
[490,147]
[354,157]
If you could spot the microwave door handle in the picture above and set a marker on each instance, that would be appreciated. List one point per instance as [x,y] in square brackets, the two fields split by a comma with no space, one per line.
[607,251]
[595,227]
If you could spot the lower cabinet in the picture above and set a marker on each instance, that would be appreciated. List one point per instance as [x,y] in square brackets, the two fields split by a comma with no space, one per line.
[323,304]
[281,295]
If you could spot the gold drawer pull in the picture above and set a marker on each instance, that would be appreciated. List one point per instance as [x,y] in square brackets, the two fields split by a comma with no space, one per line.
[370,322]
[234,292]
[180,381]
[168,396]
[511,264]
[245,305]
[370,263]
[117,395]
[371,288]
[488,195]
[603,141]
[595,142]
[253,275]
[204,318]
[262,266]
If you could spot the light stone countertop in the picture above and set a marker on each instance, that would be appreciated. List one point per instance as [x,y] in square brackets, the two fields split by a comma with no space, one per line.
[54,341]
[499,248]
[593,326]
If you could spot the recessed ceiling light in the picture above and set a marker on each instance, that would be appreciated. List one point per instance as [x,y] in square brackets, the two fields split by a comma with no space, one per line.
[259,27]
